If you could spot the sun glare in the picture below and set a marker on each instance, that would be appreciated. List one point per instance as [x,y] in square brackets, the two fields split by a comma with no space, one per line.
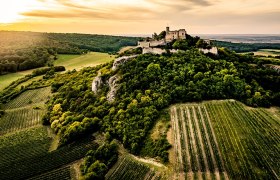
[10,11]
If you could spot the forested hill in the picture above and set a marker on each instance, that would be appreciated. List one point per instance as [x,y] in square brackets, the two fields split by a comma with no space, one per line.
[27,50]
[146,85]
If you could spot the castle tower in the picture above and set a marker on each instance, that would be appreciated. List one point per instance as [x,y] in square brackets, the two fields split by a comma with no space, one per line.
[167,29]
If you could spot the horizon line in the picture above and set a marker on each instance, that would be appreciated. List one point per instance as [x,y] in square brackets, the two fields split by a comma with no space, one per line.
[141,34]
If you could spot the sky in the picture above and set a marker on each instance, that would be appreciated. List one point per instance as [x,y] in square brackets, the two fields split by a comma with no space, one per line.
[141,16]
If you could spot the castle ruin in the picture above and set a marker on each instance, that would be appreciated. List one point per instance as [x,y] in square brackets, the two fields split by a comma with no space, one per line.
[177,34]
[155,46]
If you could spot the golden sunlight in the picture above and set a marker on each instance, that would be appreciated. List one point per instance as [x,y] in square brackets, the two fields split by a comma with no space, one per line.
[10,11]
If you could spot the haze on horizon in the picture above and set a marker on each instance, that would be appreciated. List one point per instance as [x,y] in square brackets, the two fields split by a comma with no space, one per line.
[141,16]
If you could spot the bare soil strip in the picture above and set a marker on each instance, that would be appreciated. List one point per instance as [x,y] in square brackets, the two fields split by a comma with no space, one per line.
[216,143]
[177,144]
[217,174]
[208,176]
[194,145]
[189,165]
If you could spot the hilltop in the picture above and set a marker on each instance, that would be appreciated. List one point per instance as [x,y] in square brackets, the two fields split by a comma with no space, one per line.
[199,115]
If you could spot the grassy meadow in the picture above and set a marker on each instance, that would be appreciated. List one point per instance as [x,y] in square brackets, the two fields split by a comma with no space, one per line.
[7,79]
[77,62]
[69,61]
[268,52]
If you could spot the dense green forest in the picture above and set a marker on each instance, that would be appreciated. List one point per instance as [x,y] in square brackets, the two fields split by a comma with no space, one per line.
[27,50]
[246,47]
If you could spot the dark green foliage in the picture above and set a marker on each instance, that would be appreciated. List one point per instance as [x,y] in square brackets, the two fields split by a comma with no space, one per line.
[160,36]
[93,42]
[42,71]
[2,112]
[159,146]
[156,148]
[13,60]
[246,47]
[181,44]
[98,162]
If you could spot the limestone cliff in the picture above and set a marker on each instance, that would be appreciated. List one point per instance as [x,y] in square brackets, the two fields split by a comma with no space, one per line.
[97,83]
[113,87]
[121,60]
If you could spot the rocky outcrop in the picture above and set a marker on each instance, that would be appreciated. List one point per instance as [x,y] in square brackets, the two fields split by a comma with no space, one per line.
[113,88]
[213,50]
[157,51]
[121,60]
[97,83]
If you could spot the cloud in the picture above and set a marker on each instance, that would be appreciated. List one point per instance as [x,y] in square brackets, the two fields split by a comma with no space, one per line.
[71,4]
[117,13]
[181,3]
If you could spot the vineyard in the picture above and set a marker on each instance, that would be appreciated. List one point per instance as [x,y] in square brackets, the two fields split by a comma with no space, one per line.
[20,118]
[25,111]
[63,173]
[28,156]
[225,140]
[130,169]
[30,97]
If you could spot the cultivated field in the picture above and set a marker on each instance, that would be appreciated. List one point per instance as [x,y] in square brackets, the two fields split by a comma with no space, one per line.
[28,155]
[71,62]
[20,118]
[7,79]
[63,173]
[30,98]
[268,52]
[25,111]
[128,168]
[225,140]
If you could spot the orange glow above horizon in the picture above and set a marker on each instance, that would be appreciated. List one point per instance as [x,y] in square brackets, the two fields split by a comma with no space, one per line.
[141,16]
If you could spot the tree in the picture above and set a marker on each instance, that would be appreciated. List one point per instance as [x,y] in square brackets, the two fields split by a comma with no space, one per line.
[181,44]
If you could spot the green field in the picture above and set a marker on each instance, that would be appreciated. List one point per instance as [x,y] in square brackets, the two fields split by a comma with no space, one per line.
[79,61]
[30,98]
[128,168]
[25,154]
[7,79]
[267,52]
[25,111]
[69,61]
[20,118]
[225,140]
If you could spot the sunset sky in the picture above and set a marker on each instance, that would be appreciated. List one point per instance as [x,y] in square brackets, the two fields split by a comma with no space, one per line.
[141,16]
